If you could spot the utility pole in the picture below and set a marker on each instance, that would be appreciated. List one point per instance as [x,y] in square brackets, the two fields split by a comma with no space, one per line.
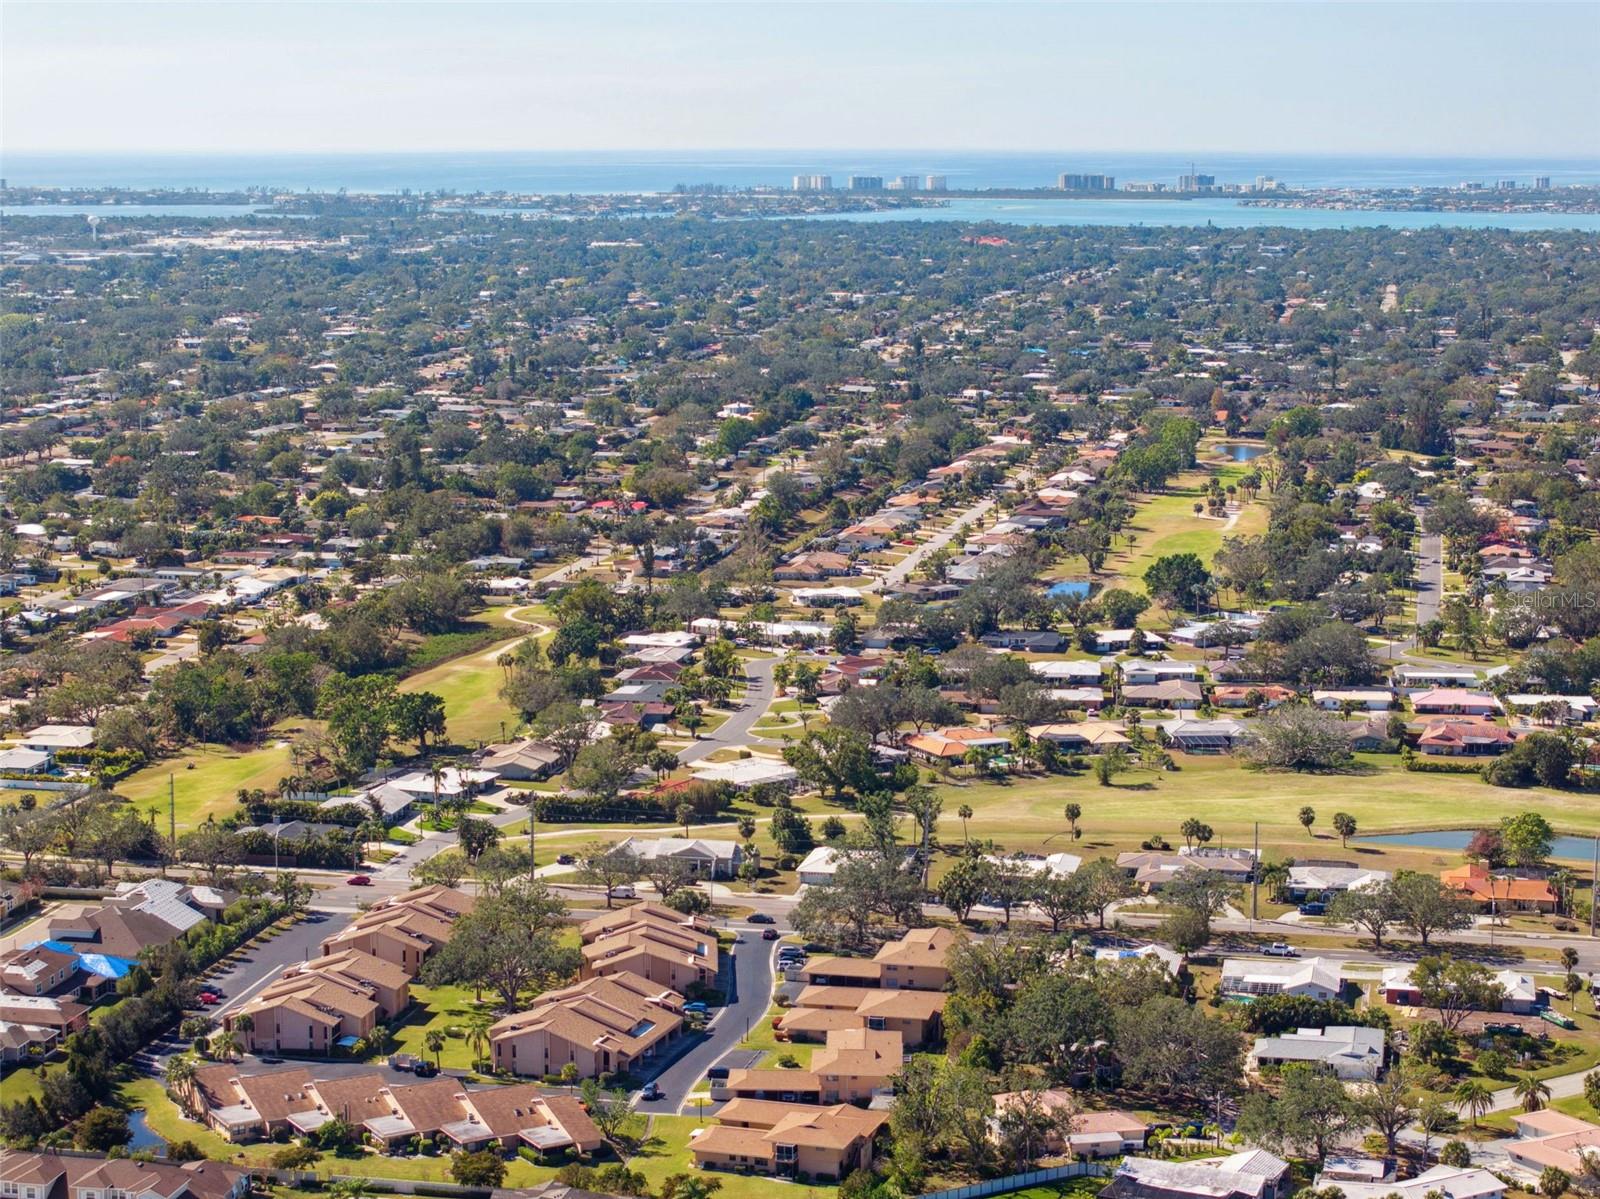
[533,819]
[1255,874]
[1594,885]
[172,808]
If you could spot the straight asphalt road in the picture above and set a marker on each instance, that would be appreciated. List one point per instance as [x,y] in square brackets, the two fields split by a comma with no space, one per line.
[751,975]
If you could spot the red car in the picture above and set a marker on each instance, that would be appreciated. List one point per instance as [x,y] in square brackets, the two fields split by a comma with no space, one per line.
[207,998]
[358,880]
[769,934]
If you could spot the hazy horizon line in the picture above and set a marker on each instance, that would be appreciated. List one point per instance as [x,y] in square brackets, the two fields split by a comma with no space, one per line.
[1183,153]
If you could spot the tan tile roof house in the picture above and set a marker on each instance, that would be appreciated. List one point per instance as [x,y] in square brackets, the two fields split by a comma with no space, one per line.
[602,1025]
[48,1176]
[405,929]
[666,949]
[304,1012]
[823,1144]
[915,1015]
[915,962]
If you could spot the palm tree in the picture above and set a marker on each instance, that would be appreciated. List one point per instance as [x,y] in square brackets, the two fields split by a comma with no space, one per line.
[436,773]
[179,1074]
[1533,1092]
[226,1045]
[965,812]
[478,1036]
[1073,812]
[1474,1098]
[1274,876]
[435,1043]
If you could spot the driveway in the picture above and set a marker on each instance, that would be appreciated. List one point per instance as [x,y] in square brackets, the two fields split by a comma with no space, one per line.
[751,976]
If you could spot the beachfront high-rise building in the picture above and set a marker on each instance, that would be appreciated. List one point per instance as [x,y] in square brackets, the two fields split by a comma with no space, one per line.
[935,183]
[1193,182]
[1266,183]
[813,183]
[1540,183]
[866,183]
[1070,182]
[905,183]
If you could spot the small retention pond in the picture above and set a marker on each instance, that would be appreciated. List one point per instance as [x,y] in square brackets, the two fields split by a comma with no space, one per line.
[1573,848]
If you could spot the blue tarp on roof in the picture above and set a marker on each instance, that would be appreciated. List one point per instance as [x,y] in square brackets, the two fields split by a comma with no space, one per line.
[102,964]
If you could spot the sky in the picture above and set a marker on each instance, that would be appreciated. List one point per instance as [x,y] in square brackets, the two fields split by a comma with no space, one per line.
[1435,79]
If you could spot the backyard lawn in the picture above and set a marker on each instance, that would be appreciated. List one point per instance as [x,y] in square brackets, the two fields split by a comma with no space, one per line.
[450,1010]
[167,1122]
[665,1152]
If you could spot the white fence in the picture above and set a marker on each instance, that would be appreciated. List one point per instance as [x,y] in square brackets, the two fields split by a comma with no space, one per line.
[1020,1182]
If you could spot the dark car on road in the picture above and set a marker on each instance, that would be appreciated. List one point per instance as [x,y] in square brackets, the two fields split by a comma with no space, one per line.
[762,918]
[652,1091]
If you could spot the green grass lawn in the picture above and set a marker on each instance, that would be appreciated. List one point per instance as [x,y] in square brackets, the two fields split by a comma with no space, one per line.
[21,1082]
[1027,814]
[449,1010]
[1165,524]
[470,688]
[206,778]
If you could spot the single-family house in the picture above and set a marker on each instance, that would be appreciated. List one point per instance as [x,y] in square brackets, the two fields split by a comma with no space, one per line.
[1455,701]
[1251,1174]
[1499,892]
[1353,1053]
[1315,978]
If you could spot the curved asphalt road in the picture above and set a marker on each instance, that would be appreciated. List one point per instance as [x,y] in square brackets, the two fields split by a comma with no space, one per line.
[735,731]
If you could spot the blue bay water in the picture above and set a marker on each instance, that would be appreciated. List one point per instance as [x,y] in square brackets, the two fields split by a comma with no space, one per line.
[615,172]
[1214,210]
[653,171]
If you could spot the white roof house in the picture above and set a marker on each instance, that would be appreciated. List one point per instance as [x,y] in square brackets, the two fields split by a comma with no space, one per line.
[711,858]
[25,760]
[1124,953]
[1252,1174]
[59,736]
[1521,991]
[452,781]
[672,640]
[1353,1053]
[1579,707]
[823,862]
[1450,1181]
[1319,978]
[1082,672]
[1056,863]
[1310,879]
[747,772]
